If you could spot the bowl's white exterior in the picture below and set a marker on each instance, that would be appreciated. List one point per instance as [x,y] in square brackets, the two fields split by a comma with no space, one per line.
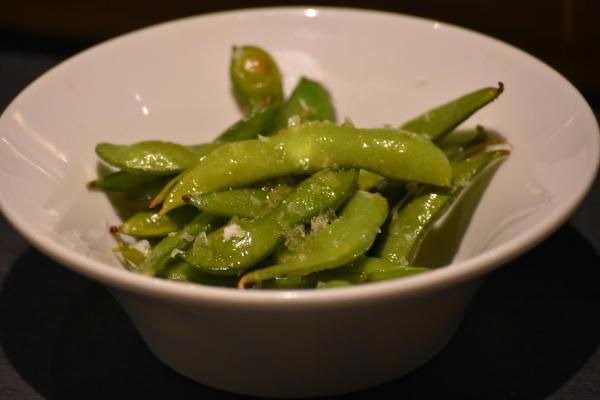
[170,82]
[299,353]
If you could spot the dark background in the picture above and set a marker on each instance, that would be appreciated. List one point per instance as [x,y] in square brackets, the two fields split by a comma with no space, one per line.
[563,33]
[532,331]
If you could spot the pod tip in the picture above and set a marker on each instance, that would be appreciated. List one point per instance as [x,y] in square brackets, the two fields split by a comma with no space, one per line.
[244,280]
[500,87]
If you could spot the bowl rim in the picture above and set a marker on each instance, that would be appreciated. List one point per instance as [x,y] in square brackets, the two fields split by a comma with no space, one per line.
[437,279]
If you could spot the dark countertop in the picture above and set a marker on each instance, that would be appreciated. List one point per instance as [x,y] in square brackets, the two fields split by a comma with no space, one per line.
[532,332]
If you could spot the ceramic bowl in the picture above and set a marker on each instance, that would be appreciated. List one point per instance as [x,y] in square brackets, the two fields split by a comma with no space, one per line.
[171,82]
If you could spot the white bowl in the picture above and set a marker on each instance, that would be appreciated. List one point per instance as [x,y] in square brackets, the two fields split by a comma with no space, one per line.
[171,82]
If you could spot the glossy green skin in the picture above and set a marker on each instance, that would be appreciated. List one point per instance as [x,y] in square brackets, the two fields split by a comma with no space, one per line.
[255,77]
[167,189]
[144,195]
[405,233]
[438,122]
[261,122]
[367,180]
[372,269]
[162,254]
[311,147]
[309,98]
[341,242]
[455,144]
[183,272]
[121,181]
[140,189]
[362,270]
[245,203]
[132,257]
[149,224]
[325,190]
[153,157]
[309,101]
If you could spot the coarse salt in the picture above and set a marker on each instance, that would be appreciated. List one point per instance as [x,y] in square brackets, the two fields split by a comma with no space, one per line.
[143,246]
[176,252]
[233,231]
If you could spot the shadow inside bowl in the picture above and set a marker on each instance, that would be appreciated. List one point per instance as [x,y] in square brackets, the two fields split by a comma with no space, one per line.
[532,327]
[443,241]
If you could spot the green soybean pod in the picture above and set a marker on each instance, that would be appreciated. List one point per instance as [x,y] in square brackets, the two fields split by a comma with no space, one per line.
[143,195]
[309,101]
[167,188]
[121,181]
[370,269]
[167,250]
[149,224]
[304,149]
[153,157]
[362,270]
[454,145]
[367,180]
[246,202]
[139,189]
[261,122]
[255,77]
[132,257]
[241,244]
[346,239]
[183,272]
[438,122]
[404,234]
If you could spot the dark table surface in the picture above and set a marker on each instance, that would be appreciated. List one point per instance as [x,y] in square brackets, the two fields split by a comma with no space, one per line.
[532,332]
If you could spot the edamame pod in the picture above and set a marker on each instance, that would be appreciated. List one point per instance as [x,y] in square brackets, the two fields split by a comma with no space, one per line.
[307,148]
[245,203]
[149,224]
[144,195]
[255,77]
[367,180]
[167,249]
[405,232]
[438,122]
[346,239]
[370,269]
[153,157]
[132,257]
[366,270]
[167,188]
[243,243]
[309,101]
[183,272]
[454,145]
[362,270]
[121,181]
[261,122]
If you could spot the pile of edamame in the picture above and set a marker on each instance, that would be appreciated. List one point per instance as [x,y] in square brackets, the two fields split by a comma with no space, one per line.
[288,198]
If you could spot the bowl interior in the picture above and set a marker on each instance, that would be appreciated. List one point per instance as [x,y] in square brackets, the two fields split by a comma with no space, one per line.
[171,82]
